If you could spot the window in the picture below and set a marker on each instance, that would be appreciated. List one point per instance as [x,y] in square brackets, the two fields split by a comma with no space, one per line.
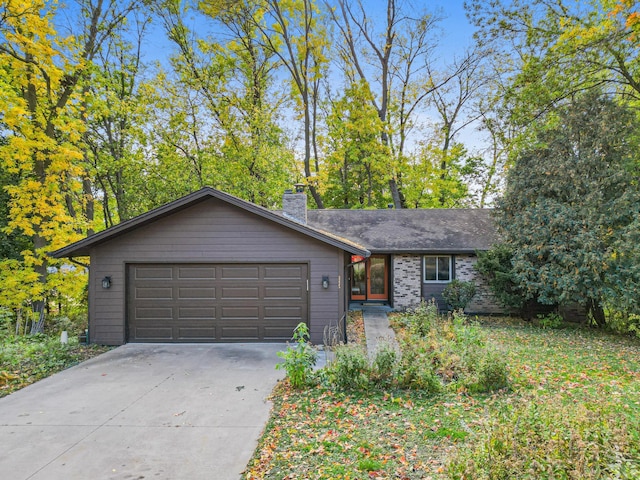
[437,268]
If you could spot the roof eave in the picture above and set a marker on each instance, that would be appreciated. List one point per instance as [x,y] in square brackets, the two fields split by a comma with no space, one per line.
[425,251]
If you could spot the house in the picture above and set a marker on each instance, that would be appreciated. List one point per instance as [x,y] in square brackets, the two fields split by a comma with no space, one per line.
[211,267]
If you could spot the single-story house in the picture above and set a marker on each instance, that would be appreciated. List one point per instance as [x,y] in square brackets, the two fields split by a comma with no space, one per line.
[210,267]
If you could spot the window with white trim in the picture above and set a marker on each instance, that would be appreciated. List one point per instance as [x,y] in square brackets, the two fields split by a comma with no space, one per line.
[436,268]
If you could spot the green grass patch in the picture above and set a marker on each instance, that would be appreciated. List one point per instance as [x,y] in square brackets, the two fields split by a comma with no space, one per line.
[572,410]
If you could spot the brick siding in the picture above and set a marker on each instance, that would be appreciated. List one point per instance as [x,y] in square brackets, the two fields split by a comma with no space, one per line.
[407,281]
[483,301]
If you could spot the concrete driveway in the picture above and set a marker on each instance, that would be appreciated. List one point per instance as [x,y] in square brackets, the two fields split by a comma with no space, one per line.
[142,412]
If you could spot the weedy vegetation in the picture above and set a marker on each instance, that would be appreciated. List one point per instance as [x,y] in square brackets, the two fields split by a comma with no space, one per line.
[461,398]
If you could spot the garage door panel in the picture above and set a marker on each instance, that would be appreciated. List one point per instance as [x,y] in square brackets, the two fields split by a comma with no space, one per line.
[240,313]
[196,293]
[244,333]
[154,273]
[240,293]
[284,312]
[280,333]
[215,302]
[240,272]
[283,293]
[155,334]
[154,293]
[197,313]
[197,273]
[195,333]
[283,272]
[154,313]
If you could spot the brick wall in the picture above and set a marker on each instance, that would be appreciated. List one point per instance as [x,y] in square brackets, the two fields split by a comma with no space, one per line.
[407,281]
[483,301]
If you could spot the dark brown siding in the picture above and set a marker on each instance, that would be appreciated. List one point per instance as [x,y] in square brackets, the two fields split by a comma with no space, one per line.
[211,232]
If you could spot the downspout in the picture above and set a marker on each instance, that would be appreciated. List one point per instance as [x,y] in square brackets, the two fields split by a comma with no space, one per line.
[84,265]
[346,295]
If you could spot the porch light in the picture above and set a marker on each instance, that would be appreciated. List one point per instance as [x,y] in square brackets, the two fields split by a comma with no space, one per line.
[325,282]
[299,187]
[106,282]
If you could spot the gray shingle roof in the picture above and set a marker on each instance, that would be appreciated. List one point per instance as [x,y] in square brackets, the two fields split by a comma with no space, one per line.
[411,230]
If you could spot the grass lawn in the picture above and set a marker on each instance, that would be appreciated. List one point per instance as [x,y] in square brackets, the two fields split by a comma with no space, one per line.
[318,433]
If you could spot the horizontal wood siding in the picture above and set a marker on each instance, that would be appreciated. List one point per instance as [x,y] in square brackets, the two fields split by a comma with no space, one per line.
[216,232]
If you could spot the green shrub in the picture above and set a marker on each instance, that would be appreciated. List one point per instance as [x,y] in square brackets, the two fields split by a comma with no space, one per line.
[299,360]
[415,369]
[551,320]
[623,322]
[384,363]
[490,374]
[350,368]
[548,440]
[420,320]
[458,294]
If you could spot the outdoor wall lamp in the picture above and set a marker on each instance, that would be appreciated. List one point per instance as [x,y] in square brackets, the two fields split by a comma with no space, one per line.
[106,282]
[325,282]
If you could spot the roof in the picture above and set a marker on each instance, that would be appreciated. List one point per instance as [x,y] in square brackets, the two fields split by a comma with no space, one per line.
[411,230]
[82,248]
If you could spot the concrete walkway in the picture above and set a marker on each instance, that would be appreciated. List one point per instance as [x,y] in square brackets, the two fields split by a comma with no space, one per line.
[141,412]
[376,327]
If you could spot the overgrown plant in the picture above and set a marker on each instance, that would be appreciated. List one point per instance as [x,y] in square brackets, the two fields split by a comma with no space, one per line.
[300,359]
[547,441]
[350,369]
[384,363]
[458,294]
[453,353]
[420,319]
[550,320]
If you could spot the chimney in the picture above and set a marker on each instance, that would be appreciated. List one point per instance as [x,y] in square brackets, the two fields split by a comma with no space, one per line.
[294,204]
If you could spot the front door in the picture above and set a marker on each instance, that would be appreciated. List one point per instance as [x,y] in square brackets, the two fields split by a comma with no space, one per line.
[370,279]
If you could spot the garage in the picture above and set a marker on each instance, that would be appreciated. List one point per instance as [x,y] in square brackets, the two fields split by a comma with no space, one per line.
[211,267]
[222,302]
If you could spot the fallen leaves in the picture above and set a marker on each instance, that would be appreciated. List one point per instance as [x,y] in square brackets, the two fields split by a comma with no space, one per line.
[324,434]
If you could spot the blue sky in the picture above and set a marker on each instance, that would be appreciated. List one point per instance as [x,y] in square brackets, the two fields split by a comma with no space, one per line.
[456,30]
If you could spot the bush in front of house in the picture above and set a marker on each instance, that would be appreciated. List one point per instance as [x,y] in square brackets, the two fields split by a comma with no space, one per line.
[458,294]
[350,369]
[433,353]
[455,351]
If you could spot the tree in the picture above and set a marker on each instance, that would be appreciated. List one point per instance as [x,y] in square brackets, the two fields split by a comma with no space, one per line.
[434,178]
[216,124]
[115,115]
[355,161]
[398,55]
[43,74]
[298,36]
[571,197]
[555,49]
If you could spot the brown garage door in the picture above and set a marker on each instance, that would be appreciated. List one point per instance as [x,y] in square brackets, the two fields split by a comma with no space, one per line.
[215,302]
